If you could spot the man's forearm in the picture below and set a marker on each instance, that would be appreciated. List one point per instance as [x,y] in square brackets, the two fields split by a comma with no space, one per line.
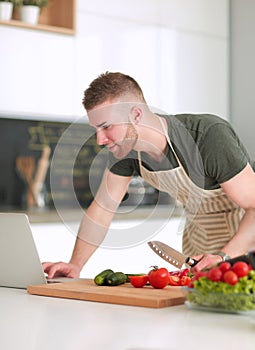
[92,231]
[244,240]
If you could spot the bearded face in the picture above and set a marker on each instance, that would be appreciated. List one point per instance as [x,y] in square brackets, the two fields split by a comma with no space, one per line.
[120,148]
[114,129]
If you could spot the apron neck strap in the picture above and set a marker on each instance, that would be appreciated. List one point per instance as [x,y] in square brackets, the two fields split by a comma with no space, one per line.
[168,140]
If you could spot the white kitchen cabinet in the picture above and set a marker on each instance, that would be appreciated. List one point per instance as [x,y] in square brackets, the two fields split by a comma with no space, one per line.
[163,44]
[35,79]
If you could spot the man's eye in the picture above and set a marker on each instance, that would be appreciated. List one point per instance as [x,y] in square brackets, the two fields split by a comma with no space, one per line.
[105,127]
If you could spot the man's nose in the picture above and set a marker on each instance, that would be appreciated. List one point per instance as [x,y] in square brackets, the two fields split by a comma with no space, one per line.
[102,139]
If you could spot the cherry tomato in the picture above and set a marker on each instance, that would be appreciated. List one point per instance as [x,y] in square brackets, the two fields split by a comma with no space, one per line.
[174,280]
[241,268]
[190,285]
[225,266]
[230,277]
[158,278]
[138,281]
[214,274]
[185,281]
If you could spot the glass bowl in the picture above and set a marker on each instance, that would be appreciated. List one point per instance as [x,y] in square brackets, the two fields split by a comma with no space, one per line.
[221,302]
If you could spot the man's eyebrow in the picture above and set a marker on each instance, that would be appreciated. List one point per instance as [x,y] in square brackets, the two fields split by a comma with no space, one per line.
[100,125]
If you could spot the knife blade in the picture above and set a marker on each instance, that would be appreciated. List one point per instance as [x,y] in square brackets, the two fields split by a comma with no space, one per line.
[177,259]
[169,254]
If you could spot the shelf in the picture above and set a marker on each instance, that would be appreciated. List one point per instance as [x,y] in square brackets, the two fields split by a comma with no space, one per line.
[59,17]
[43,27]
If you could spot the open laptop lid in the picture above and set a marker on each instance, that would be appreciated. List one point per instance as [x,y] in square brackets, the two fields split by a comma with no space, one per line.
[20,265]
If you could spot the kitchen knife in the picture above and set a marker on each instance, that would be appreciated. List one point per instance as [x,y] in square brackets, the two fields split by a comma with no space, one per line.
[177,259]
[171,255]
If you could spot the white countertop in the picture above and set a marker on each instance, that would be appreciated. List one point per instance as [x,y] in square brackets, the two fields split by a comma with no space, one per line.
[29,322]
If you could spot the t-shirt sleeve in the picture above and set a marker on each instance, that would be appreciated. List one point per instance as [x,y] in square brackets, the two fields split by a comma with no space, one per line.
[223,153]
[122,167]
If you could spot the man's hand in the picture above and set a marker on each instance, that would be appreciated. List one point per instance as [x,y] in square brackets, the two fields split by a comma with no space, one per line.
[61,269]
[205,260]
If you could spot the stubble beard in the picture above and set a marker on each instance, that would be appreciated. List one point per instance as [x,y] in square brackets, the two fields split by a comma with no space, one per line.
[128,143]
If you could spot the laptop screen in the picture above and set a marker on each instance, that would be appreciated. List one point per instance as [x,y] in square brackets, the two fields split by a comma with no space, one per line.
[20,265]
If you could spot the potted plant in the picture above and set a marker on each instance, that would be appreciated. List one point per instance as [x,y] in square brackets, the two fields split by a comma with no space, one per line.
[30,10]
[6,8]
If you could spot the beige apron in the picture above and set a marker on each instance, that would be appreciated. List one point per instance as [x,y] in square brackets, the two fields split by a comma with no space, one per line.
[211,217]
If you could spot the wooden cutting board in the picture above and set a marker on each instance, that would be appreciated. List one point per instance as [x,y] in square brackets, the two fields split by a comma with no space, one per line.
[125,294]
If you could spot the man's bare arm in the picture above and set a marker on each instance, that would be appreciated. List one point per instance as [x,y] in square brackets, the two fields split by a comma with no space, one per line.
[94,225]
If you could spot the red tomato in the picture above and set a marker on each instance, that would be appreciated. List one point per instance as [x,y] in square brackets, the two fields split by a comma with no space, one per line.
[230,277]
[190,285]
[185,281]
[174,280]
[158,278]
[215,274]
[138,281]
[241,268]
[225,266]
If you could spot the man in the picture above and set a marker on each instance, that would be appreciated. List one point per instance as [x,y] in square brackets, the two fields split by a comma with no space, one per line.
[198,159]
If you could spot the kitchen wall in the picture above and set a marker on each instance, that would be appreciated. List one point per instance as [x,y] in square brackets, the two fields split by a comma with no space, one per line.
[176,49]
[242,71]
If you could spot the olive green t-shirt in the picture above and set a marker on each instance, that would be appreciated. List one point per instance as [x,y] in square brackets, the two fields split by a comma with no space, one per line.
[206,145]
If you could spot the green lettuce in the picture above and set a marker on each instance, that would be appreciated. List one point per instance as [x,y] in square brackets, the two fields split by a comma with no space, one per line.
[238,297]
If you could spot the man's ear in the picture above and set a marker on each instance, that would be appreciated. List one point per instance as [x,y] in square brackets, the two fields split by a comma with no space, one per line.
[135,114]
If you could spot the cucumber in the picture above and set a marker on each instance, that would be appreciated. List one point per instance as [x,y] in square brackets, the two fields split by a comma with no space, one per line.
[101,278]
[116,278]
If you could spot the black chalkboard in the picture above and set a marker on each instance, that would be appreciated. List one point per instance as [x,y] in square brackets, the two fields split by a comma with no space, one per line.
[76,161]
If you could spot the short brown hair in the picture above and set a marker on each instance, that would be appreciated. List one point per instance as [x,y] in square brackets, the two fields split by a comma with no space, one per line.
[109,86]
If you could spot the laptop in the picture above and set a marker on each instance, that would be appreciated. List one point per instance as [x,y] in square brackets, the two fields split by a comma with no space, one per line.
[20,265]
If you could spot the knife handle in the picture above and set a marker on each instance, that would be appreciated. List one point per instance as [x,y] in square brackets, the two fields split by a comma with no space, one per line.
[248,258]
[191,262]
